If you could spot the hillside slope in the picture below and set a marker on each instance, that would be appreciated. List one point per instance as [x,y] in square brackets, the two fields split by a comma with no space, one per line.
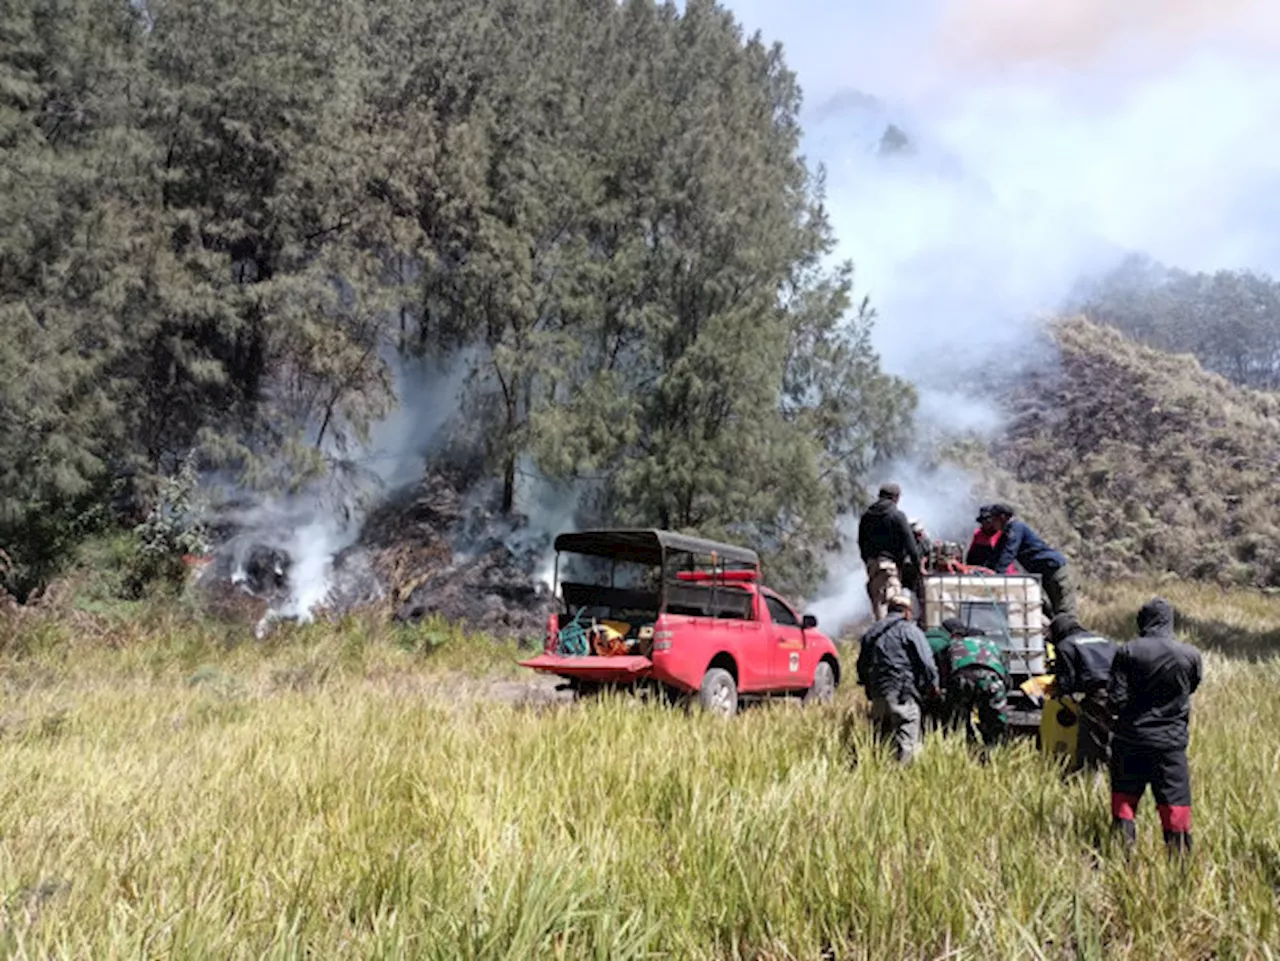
[1153,463]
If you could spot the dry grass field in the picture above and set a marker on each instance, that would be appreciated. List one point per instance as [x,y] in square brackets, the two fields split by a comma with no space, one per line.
[354,791]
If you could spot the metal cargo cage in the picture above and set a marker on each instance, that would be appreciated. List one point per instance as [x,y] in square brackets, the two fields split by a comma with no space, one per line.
[1006,607]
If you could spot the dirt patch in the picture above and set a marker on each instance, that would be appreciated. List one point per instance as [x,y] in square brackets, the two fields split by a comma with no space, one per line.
[537,692]
[460,689]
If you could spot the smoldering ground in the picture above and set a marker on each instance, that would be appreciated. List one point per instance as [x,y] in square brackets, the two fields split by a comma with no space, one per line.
[398,514]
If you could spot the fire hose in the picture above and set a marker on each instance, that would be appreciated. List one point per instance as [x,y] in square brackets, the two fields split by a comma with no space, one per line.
[577,639]
[572,639]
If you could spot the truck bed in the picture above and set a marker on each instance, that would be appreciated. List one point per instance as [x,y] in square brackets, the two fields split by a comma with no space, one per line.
[623,669]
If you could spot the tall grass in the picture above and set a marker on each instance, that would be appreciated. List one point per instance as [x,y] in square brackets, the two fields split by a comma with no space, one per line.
[345,793]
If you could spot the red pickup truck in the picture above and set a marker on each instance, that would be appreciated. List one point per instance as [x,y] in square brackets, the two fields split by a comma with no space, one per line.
[687,614]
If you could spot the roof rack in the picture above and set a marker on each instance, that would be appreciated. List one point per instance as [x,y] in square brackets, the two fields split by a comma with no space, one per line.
[649,546]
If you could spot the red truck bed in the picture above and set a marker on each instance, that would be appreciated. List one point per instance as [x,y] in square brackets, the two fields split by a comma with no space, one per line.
[602,670]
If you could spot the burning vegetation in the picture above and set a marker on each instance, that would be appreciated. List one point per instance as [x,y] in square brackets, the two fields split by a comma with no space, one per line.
[429,550]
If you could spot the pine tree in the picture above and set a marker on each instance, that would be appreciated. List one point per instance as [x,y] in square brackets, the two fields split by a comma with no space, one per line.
[271,295]
[221,224]
[73,187]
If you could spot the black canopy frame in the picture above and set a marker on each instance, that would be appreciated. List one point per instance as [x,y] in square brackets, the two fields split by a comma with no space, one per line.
[653,547]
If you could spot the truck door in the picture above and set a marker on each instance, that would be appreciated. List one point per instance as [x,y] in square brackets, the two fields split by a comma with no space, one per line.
[742,627]
[791,667]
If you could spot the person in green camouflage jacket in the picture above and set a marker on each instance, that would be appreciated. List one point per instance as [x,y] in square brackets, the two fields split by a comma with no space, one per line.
[974,675]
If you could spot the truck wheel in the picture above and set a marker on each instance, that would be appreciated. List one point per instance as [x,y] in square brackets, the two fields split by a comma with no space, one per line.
[719,692]
[824,684]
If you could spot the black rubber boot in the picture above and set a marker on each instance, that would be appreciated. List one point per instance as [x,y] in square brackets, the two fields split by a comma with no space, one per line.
[1128,830]
[1178,842]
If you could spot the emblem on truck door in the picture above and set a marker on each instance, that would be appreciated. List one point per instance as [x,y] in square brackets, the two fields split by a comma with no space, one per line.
[794,663]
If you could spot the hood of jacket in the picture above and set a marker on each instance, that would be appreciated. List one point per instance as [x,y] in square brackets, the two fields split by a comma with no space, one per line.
[1156,618]
[1064,626]
[882,506]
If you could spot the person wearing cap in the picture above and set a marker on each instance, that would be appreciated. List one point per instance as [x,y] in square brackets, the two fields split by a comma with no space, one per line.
[1019,543]
[1149,694]
[897,669]
[924,543]
[1082,671]
[889,549]
[975,677]
[982,548]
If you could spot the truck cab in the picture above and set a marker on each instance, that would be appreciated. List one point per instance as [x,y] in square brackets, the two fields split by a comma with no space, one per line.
[683,613]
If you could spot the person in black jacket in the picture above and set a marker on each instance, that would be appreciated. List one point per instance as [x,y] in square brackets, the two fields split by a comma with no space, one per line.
[897,668]
[1082,670]
[889,549]
[1152,680]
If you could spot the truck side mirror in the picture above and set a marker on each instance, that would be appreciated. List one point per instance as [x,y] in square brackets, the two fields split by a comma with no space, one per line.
[808,621]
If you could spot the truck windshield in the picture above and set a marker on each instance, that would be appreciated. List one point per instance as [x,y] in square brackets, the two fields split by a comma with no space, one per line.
[990,617]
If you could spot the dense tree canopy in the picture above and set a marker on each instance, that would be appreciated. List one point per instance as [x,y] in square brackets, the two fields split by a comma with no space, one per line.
[1229,320]
[222,222]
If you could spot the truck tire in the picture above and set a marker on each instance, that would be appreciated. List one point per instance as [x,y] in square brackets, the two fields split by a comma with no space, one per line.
[585,690]
[824,684]
[719,693]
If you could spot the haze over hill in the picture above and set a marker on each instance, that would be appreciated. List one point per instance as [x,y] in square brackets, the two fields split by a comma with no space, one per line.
[1046,141]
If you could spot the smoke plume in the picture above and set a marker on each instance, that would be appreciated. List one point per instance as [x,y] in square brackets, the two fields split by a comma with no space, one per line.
[985,155]
[311,529]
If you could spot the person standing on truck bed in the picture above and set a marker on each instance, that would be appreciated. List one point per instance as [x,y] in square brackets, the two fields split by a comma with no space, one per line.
[1152,680]
[982,548]
[896,666]
[975,677]
[1018,542]
[889,549]
[1082,670]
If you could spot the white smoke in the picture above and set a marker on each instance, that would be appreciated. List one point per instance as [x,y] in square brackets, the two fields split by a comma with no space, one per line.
[1044,141]
[316,525]
[552,508]
[842,601]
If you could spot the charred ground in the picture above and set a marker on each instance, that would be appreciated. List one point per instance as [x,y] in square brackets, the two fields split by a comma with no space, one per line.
[434,549]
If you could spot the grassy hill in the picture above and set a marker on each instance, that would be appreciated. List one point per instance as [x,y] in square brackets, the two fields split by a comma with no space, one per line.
[1138,460]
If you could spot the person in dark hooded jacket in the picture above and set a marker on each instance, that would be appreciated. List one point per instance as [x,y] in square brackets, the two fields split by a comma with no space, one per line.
[1082,670]
[1152,680]
[889,549]
[897,668]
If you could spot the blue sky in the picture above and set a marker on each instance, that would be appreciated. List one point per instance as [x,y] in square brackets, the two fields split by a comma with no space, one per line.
[1052,137]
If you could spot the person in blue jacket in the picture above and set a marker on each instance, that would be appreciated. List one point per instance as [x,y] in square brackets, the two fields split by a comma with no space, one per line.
[1022,544]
